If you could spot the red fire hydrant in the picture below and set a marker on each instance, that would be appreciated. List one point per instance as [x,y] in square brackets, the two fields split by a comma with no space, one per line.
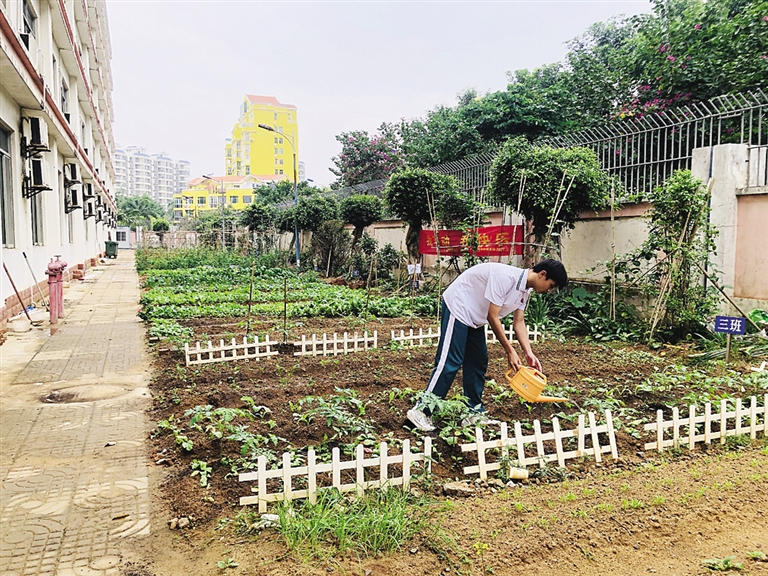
[60,284]
[52,272]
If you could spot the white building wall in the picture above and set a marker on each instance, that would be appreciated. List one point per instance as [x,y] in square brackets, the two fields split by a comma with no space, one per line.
[79,132]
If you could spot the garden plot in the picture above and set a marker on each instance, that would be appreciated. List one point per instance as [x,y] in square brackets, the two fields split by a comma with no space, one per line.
[221,420]
[345,401]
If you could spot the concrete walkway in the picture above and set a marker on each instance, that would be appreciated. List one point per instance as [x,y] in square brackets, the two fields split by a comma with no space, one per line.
[73,432]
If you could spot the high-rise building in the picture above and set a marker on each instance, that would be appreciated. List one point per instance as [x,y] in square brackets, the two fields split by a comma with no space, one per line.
[156,175]
[255,150]
[56,143]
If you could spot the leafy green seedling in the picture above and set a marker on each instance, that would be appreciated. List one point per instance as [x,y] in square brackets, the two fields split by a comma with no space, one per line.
[722,564]
[228,563]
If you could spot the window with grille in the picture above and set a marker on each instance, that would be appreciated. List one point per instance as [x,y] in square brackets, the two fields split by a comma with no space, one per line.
[6,191]
[29,18]
[36,211]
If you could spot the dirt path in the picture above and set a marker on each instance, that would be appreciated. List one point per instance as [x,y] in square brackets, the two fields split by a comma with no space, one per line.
[663,517]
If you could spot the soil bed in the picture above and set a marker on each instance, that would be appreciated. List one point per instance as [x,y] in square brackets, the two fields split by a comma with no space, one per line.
[385,380]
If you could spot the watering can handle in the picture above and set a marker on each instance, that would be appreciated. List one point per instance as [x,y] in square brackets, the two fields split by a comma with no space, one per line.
[512,371]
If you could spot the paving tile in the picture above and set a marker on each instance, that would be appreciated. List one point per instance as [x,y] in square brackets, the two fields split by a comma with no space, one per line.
[61,483]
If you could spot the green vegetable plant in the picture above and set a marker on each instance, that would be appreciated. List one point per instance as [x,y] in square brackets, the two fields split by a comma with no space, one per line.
[180,438]
[722,564]
[201,468]
[228,563]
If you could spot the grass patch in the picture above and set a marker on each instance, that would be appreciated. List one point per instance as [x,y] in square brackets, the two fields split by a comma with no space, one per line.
[381,522]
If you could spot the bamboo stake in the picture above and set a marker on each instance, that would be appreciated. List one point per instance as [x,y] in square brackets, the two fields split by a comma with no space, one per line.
[433,217]
[759,330]
[613,256]
[250,298]
[285,310]
[666,282]
[556,210]
[368,290]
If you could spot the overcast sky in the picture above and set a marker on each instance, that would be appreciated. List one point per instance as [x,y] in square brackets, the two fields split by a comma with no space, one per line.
[182,68]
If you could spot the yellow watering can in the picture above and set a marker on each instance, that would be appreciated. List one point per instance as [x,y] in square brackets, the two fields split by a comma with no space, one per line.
[529,383]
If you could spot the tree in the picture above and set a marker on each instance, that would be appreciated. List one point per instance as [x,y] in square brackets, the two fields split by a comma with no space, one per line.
[697,50]
[411,192]
[361,210]
[315,209]
[364,158]
[330,246]
[160,225]
[684,50]
[548,173]
[259,217]
[136,211]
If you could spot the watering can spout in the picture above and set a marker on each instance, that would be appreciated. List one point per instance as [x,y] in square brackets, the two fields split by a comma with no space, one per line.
[529,384]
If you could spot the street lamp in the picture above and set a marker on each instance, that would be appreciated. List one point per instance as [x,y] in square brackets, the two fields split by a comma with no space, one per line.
[295,193]
[223,201]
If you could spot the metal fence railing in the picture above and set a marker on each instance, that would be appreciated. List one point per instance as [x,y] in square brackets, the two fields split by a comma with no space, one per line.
[643,151]
[757,168]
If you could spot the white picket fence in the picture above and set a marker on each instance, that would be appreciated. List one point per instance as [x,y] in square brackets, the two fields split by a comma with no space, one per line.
[253,349]
[698,428]
[329,474]
[513,448]
[533,335]
[325,346]
[413,340]
[432,336]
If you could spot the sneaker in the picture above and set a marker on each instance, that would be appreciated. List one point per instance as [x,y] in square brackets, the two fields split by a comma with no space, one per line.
[479,419]
[420,420]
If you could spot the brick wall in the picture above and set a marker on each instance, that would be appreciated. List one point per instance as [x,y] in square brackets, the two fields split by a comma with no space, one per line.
[11,307]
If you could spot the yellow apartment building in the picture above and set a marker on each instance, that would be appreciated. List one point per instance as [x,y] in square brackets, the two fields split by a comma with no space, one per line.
[254,150]
[204,194]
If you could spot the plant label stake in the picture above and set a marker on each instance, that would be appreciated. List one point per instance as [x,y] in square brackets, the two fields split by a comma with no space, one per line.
[730,325]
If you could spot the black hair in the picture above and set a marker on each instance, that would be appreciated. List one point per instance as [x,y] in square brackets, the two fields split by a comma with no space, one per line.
[555,271]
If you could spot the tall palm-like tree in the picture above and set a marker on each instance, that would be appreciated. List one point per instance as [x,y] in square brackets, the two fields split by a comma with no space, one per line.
[136,211]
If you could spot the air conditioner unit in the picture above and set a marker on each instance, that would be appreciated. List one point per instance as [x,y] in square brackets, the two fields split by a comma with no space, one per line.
[39,174]
[88,210]
[75,197]
[36,133]
[71,174]
[99,214]
[87,190]
[72,199]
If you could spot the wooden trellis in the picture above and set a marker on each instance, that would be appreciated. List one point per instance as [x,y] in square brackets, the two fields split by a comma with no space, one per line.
[253,349]
[512,449]
[329,474]
[428,338]
[325,346]
[698,428]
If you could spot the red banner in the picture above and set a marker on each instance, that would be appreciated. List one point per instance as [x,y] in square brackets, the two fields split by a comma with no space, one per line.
[490,241]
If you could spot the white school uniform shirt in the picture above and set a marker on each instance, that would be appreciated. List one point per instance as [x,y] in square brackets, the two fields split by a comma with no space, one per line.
[470,296]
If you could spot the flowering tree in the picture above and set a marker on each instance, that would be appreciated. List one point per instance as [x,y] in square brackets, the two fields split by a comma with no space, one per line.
[696,50]
[364,158]
[682,51]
